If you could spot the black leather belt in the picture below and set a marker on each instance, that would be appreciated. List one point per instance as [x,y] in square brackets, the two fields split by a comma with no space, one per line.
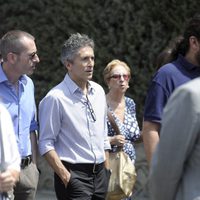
[26,161]
[85,167]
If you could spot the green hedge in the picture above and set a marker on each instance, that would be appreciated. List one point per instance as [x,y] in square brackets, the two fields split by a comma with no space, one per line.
[134,31]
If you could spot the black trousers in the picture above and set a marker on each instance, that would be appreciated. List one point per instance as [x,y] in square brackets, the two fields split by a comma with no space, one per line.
[87,182]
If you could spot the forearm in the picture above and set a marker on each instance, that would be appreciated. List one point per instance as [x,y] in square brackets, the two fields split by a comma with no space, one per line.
[150,134]
[107,164]
[56,164]
[34,148]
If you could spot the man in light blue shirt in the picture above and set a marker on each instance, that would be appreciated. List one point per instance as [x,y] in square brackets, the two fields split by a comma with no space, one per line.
[73,129]
[19,54]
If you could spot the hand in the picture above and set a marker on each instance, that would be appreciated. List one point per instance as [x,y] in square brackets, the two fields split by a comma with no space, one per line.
[7,181]
[118,140]
[66,178]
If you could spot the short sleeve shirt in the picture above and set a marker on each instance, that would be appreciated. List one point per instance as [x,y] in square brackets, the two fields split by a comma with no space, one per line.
[163,83]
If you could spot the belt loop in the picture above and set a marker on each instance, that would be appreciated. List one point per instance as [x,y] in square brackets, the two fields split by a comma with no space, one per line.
[94,167]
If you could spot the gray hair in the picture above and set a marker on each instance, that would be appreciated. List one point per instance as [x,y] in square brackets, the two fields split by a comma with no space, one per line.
[73,44]
[12,42]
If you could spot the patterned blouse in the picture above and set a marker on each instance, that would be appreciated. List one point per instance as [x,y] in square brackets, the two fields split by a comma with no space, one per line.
[129,128]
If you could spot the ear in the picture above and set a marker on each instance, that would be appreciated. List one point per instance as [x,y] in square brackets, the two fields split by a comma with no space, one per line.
[68,65]
[194,43]
[12,58]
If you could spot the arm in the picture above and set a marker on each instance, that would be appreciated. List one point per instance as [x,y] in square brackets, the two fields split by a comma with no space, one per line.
[107,164]
[150,134]
[118,140]
[34,149]
[55,162]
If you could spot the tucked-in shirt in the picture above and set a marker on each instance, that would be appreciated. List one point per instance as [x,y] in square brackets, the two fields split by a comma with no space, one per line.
[128,128]
[166,79]
[175,166]
[9,155]
[67,126]
[22,109]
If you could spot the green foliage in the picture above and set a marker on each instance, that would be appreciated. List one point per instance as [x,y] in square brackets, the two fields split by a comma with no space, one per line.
[134,31]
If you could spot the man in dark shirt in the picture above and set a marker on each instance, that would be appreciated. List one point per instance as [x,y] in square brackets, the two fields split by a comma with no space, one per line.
[184,68]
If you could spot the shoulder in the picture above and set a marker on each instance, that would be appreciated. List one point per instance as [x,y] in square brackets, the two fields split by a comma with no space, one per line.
[129,100]
[187,94]
[166,70]
[190,88]
[54,94]
[130,103]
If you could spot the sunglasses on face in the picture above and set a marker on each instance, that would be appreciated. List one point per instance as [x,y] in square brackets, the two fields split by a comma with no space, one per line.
[119,76]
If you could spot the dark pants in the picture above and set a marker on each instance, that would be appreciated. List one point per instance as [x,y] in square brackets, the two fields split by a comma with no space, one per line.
[86,182]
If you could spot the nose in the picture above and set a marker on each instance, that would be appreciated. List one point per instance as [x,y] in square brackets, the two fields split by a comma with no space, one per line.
[36,58]
[91,61]
[121,78]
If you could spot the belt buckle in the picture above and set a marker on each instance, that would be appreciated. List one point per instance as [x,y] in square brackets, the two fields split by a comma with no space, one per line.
[28,160]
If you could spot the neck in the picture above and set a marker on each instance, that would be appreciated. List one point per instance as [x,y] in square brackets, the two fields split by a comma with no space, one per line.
[81,83]
[12,76]
[190,57]
[115,97]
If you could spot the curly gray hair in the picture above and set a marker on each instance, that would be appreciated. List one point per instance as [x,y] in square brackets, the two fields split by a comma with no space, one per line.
[73,44]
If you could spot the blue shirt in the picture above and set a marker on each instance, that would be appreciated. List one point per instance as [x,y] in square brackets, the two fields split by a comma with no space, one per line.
[66,124]
[21,108]
[166,79]
[129,128]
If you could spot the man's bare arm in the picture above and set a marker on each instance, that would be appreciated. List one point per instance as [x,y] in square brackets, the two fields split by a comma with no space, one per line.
[150,134]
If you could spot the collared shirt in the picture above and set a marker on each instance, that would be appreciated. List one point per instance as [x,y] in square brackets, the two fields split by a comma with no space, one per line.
[174,172]
[21,106]
[9,155]
[66,124]
[166,79]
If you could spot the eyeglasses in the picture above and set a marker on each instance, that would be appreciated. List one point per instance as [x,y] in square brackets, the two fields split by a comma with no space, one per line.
[30,55]
[89,105]
[119,76]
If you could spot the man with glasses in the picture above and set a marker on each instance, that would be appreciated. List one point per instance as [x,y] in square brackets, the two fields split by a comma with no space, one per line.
[19,55]
[73,129]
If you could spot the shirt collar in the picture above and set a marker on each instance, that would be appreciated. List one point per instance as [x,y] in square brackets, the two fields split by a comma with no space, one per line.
[187,65]
[3,77]
[73,87]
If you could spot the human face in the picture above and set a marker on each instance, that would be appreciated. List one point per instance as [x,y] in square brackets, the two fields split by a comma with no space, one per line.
[119,79]
[81,68]
[26,60]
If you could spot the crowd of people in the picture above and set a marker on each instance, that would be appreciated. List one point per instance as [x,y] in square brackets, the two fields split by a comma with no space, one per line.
[73,132]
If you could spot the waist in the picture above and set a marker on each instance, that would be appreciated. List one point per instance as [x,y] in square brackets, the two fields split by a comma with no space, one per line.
[26,161]
[85,167]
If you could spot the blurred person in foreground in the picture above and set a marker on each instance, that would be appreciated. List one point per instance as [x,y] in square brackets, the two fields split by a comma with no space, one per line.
[117,75]
[73,129]
[19,54]
[170,76]
[9,155]
[174,172]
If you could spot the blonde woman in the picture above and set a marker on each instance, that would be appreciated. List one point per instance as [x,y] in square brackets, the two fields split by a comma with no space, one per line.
[117,75]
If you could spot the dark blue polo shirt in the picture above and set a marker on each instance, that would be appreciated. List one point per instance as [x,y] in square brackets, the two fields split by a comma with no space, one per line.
[166,79]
